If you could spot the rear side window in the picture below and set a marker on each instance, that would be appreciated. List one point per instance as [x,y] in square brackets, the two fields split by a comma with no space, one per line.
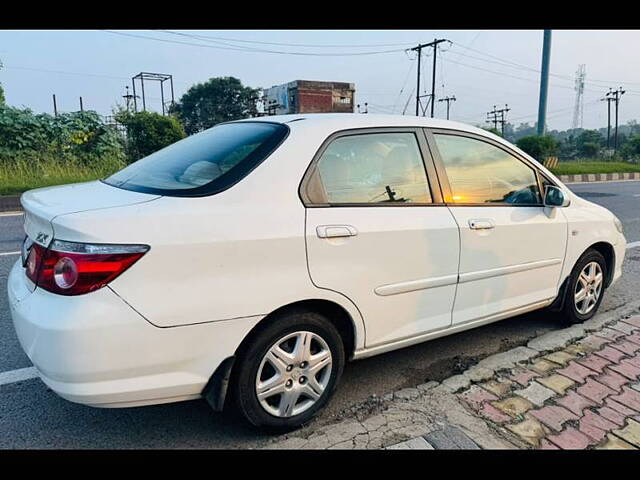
[480,173]
[205,163]
[374,168]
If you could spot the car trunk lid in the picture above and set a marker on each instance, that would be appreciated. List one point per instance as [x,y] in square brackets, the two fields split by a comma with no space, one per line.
[43,205]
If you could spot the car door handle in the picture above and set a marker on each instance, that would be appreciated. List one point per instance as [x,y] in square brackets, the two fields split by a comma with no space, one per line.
[481,224]
[333,231]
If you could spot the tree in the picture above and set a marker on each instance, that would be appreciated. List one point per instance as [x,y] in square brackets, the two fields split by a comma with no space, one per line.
[493,130]
[631,149]
[537,146]
[589,143]
[2,100]
[218,100]
[148,132]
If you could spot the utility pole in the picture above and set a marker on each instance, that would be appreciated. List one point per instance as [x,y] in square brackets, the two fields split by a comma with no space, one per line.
[544,81]
[448,100]
[418,49]
[493,117]
[608,99]
[616,98]
[366,108]
[498,116]
[81,107]
[502,117]
[55,107]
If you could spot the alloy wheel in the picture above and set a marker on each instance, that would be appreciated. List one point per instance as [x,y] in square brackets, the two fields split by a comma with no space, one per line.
[588,288]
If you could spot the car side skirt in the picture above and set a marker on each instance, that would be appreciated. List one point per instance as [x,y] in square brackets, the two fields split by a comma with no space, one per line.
[406,342]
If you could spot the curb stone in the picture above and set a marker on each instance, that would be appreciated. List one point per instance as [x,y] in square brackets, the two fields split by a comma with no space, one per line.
[599,177]
[10,203]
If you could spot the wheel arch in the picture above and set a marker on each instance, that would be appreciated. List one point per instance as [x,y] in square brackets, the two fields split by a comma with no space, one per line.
[609,254]
[352,334]
[333,311]
[607,251]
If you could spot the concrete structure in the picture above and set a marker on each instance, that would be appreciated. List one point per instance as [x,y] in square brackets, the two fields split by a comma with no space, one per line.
[309,96]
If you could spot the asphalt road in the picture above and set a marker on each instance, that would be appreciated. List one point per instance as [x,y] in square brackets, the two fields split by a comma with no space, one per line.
[31,416]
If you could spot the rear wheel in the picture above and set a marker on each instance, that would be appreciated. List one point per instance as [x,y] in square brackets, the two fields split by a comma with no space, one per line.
[585,288]
[289,371]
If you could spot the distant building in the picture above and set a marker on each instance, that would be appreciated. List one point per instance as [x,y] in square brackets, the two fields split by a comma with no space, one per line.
[309,96]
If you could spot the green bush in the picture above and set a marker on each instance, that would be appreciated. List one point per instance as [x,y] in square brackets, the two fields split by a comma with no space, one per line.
[631,149]
[148,132]
[81,135]
[539,147]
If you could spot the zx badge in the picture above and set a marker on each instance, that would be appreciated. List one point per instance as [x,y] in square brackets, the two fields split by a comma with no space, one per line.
[42,238]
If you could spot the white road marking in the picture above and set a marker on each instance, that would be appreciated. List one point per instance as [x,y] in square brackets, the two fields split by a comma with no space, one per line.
[633,245]
[11,214]
[9,253]
[18,375]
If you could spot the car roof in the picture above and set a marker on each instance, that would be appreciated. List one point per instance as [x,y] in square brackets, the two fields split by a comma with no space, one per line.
[343,121]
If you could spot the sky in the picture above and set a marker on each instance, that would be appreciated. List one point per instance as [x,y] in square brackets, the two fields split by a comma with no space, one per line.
[481,68]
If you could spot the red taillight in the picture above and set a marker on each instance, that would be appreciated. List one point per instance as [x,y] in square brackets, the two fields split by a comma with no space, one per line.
[69,268]
[33,261]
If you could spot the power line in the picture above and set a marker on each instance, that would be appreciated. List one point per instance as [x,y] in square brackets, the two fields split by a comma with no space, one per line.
[307,45]
[511,64]
[67,73]
[404,84]
[253,50]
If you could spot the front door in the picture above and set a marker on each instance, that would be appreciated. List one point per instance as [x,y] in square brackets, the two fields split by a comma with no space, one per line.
[512,247]
[377,232]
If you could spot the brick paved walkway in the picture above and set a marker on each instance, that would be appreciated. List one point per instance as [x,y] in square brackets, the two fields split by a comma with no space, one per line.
[585,395]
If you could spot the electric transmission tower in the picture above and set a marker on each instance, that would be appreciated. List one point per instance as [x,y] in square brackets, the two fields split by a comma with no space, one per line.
[578,110]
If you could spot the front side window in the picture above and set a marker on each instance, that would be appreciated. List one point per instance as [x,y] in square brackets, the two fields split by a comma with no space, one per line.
[375,168]
[482,173]
[202,164]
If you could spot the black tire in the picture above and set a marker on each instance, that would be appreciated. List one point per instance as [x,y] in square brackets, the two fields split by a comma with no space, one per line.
[570,313]
[243,387]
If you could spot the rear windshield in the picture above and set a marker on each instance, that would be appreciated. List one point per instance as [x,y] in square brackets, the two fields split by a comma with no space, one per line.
[205,163]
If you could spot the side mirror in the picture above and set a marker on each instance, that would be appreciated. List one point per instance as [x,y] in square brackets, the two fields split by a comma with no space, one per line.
[554,197]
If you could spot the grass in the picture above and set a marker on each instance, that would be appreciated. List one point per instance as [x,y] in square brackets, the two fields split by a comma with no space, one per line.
[579,166]
[17,176]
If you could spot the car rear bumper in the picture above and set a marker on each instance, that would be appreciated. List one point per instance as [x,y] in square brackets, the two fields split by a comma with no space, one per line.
[97,350]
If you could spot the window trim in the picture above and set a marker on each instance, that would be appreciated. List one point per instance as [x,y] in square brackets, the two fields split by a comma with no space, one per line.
[427,163]
[444,178]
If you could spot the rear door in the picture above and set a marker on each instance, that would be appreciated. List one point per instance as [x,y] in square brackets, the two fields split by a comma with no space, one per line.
[512,247]
[378,232]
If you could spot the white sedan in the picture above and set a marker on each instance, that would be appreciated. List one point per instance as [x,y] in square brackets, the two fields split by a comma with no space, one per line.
[246,264]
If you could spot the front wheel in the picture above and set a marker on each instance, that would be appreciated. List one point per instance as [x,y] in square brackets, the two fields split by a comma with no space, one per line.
[289,371]
[585,288]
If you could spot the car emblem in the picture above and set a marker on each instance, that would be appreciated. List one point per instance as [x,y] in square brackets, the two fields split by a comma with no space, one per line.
[42,238]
